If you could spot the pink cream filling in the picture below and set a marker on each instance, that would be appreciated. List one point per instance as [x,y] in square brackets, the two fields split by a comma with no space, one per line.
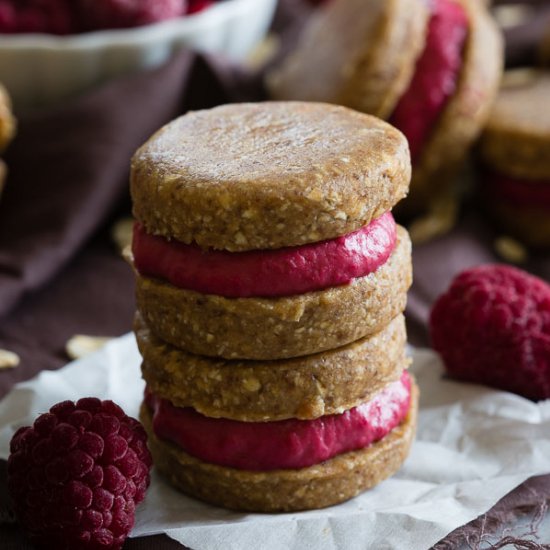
[518,192]
[436,75]
[284,444]
[280,272]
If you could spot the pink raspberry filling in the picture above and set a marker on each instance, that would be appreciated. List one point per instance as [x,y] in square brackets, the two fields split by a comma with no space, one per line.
[436,75]
[522,193]
[284,444]
[280,272]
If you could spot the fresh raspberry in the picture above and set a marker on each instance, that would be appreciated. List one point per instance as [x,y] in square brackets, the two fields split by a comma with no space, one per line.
[194,6]
[114,14]
[77,474]
[493,327]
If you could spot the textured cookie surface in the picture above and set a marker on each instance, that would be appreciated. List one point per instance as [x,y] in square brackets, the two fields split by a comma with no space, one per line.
[325,484]
[268,175]
[276,328]
[516,140]
[306,387]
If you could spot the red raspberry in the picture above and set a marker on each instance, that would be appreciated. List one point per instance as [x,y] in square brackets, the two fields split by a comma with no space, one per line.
[493,327]
[194,6]
[77,474]
[114,14]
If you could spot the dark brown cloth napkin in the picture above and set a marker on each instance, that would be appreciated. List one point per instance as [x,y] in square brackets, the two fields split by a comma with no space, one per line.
[60,273]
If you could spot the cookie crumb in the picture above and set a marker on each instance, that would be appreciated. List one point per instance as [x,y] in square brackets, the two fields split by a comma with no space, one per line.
[264,51]
[511,250]
[121,232]
[81,345]
[8,359]
[509,16]
[519,78]
[440,219]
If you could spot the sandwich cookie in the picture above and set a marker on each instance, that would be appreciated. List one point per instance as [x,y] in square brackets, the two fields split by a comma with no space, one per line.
[430,68]
[288,465]
[306,387]
[515,152]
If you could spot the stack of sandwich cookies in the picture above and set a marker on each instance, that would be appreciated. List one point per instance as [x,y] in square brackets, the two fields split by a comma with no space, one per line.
[515,151]
[430,68]
[271,280]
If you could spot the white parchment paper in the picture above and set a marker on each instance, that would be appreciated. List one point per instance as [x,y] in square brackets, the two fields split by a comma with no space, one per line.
[473,446]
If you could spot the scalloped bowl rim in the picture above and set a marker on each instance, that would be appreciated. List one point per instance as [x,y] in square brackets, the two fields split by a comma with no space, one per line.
[122,37]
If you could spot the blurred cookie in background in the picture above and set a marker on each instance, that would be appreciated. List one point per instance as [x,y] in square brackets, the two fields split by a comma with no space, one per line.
[7,130]
[432,70]
[515,155]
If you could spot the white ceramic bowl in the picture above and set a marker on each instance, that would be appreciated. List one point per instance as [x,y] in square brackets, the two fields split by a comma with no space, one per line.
[41,69]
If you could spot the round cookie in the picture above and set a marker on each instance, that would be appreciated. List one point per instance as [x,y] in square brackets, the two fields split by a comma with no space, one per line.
[369,64]
[515,152]
[325,484]
[277,328]
[268,175]
[252,391]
